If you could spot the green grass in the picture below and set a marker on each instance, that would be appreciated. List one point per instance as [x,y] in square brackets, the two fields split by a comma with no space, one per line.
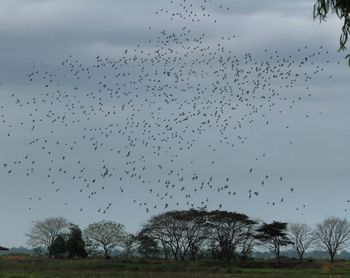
[24,266]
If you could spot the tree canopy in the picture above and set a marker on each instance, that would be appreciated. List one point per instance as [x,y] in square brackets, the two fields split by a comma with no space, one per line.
[274,235]
[228,230]
[44,232]
[333,234]
[104,234]
[302,237]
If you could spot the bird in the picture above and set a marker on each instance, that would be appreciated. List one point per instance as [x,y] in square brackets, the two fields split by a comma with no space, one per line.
[150,112]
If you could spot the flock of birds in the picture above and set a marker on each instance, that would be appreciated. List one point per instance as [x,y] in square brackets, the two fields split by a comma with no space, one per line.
[147,125]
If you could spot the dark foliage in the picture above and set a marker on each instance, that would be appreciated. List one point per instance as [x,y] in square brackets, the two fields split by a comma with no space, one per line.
[342,9]
[58,247]
[274,235]
[75,244]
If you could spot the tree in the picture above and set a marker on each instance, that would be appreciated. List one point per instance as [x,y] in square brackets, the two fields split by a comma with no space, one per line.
[128,244]
[180,232]
[154,230]
[58,247]
[342,9]
[227,230]
[147,246]
[333,234]
[196,232]
[274,236]
[170,227]
[44,232]
[174,230]
[302,237]
[248,240]
[104,234]
[75,244]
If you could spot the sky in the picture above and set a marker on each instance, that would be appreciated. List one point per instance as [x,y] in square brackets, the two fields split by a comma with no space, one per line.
[120,110]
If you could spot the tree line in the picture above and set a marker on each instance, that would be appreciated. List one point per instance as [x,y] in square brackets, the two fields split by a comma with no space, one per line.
[187,235]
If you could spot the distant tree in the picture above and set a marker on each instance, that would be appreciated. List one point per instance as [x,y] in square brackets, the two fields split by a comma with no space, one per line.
[75,244]
[44,232]
[342,9]
[128,244]
[274,236]
[302,237]
[333,234]
[147,246]
[227,230]
[104,234]
[58,247]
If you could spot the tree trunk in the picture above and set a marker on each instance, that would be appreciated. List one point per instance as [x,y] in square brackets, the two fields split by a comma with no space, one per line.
[106,254]
[183,256]
[175,256]
[193,256]
[50,252]
[175,252]
[165,251]
[278,257]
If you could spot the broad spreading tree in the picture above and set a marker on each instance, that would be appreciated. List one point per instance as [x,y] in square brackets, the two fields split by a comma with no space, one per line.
[227,231]
[104,235]
[44,232]
[196,231]
[333,235]
[179,232]
[171,228]
[175,232]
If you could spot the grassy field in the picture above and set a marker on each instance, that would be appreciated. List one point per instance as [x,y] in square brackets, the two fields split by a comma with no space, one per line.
[23,266]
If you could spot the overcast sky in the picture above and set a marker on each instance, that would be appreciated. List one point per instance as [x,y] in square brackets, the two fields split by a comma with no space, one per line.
[303,150]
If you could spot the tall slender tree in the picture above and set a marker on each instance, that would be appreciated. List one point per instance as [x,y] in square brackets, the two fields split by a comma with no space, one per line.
[302,237]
